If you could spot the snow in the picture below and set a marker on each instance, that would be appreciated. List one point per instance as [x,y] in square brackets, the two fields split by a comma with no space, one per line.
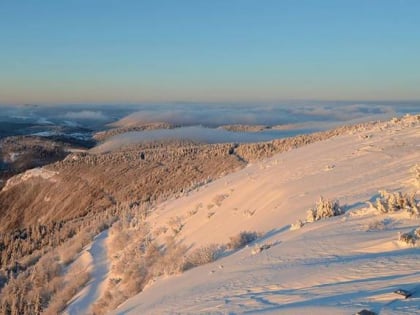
[326,269]
[95,259]
[333,266]
[339,265]
[276,192]
[14,156]
[39,172]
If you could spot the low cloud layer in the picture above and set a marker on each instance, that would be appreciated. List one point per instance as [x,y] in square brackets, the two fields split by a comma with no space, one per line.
[292,115]
[216,115]
[86,115]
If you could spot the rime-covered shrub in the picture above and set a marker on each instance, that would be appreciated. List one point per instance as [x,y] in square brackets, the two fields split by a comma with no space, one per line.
[242,239]
[203,255]
[410,238]
[324,208]
[176,224]
[393,202]
[138,263]
[296,226]
[258,248]
[69,251]
[171,258]
[42,288]
[69,289]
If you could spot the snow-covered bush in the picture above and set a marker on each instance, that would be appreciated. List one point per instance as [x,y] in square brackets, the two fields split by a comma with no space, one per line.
[393,202]
[70,249]
[242,239]
[258,248]
[170,260]
[218,200]
[176,224]
[296,226]
[410,238]
[203,255]
[324,208]
[70,287]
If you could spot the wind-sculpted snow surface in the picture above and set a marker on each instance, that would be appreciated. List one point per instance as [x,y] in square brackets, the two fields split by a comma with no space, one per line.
[338,265]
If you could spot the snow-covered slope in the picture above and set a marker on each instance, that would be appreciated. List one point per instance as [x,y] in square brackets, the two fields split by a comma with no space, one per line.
[94,259]
[335,266]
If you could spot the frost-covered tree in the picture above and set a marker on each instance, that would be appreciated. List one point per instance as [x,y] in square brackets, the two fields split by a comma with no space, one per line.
[392,202]
[324,208]
[410,238]
[240,240]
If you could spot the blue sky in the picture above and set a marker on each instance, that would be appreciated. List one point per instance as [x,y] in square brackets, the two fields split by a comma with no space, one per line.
[208,51]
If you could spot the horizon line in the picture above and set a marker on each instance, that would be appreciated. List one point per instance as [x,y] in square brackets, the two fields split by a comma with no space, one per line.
[198,102]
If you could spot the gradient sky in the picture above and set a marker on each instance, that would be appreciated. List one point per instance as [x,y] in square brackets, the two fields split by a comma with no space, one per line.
[85,51]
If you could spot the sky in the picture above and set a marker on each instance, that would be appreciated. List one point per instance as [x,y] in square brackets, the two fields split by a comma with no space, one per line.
[103,51]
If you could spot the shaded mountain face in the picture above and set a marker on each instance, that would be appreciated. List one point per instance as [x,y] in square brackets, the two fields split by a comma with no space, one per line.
[8,129]
[19,153]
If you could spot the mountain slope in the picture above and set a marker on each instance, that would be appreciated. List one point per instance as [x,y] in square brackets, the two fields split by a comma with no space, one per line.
[336,266]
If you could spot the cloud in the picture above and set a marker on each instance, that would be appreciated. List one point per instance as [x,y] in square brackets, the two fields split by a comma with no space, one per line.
[341,112]
[216,115]
[211,115]
[86,115]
